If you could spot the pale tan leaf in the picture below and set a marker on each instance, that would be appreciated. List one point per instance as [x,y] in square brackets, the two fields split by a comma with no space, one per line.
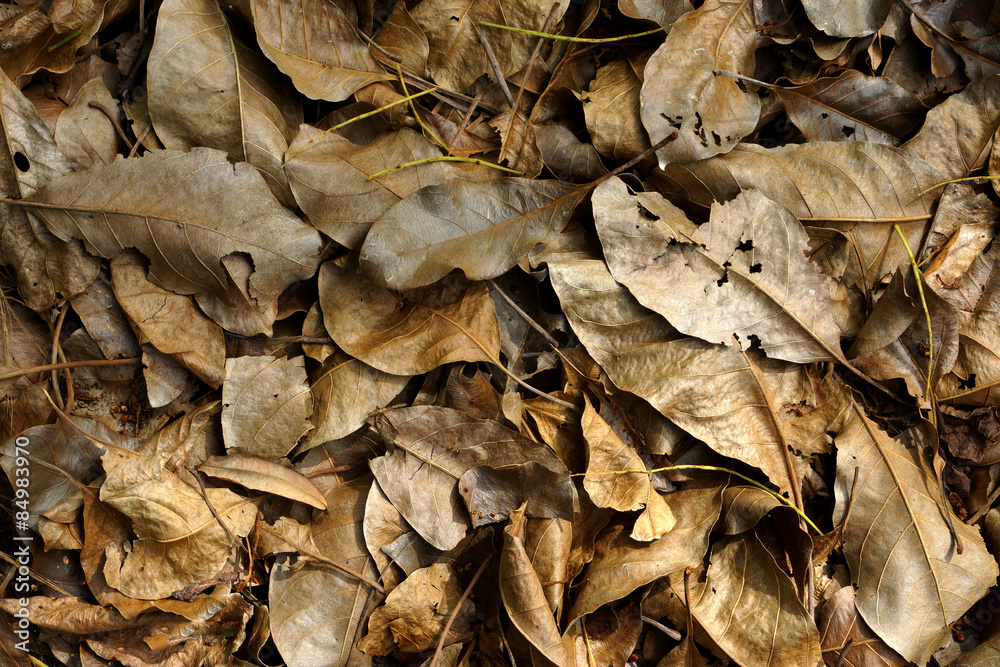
[434,448]
[410,332]
[744,274]
[206,88]
[265,405]
[483,229]
[548,543]
[750,608]
[452,28]
[912,583]
[697,507]
[170,322]
[314,43]
[958,134]
[415,612]
[658,11]
[47,268]
[181,542]
[611,107]
[681,92]
[345,391]
[851,18]
[857,188]
[263,475]
[316,610]
[84,134]
[383,525]
[181,209]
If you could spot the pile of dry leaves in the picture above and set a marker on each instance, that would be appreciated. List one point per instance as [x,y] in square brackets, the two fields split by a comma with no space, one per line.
[500,332]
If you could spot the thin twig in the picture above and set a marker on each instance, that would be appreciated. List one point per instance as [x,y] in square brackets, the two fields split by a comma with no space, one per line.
[114,121]
[445,158]
[495,65]
[130,361]
[960,180]
[844,652]
[233,541]
[918,277]
[593,40]
[454,612]
[55,353]
[670,632]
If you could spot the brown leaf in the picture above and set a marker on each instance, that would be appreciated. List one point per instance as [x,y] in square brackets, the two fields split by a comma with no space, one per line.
[344,392]
[566,155]
[415,612]
[313,42]
[48,269]
[896,532]
[452,28]
[412,332]
[743,275]
[852,107]
[265,405]
[84,134]
[876,186]
[749,607]
[681,92]
[839,622]
[206,88]
[434,452]
[170,322]
[181,542]
[847,19]
[483,229]
[316,610]
[658,11]
[611,107]
[519,149]
[403,39]
[46,37]
[262,475]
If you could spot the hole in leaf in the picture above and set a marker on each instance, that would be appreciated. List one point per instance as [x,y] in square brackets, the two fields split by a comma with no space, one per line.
[968,384]
[824,115]
[723,280]
[754,341]
[847,130]
[21,161]
[756,268]
[744,246]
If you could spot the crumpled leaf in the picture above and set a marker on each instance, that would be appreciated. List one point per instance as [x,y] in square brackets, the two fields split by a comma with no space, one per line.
[452,28]
[48,269]
[415,612]
[434,448]
[265,405]
[263,475]
[896,532]
[206,88]
[344,392]
[410,332]
[611,107]
[681,92]
[743,275]
[750,608]
[483,229]
[181,208]
[856,188]
[313,42]
[847,19]
[612,480]
[170,322]
[180,541]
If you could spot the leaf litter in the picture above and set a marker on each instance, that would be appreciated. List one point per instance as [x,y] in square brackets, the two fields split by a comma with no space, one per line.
[479,333]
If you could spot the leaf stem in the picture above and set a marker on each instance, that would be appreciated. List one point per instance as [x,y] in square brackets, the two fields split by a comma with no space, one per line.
[444,158]
[66,40]
[919,278]
[960,180]
[593,40]
[70,364]
[416,115]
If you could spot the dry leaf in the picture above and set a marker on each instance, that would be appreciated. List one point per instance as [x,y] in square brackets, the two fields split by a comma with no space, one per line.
[262,475]
[84,134]
[847,19]
[611,107]
[839,622]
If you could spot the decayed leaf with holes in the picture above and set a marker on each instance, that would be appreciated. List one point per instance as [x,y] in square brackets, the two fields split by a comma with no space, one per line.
[852,107]
[206,88]
[894,341]
[483,229]
[314,43]
[611,107]
[409,333]
[839,623]
[519,149]
[524,597]
[958,134]
[414,614]
[750,608]
[612,480]
[182,208]
[857,188]
[330,178]
[681,92]
[263,475]
[265,405]
[84,134]
[181,542]
[316,609]
[452,27]
[697,508]
[47,268]
[170,322]
[741,404]
[434,448]
[847,19]
[743,275]
[345,391]
[912,583]
[975,377]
